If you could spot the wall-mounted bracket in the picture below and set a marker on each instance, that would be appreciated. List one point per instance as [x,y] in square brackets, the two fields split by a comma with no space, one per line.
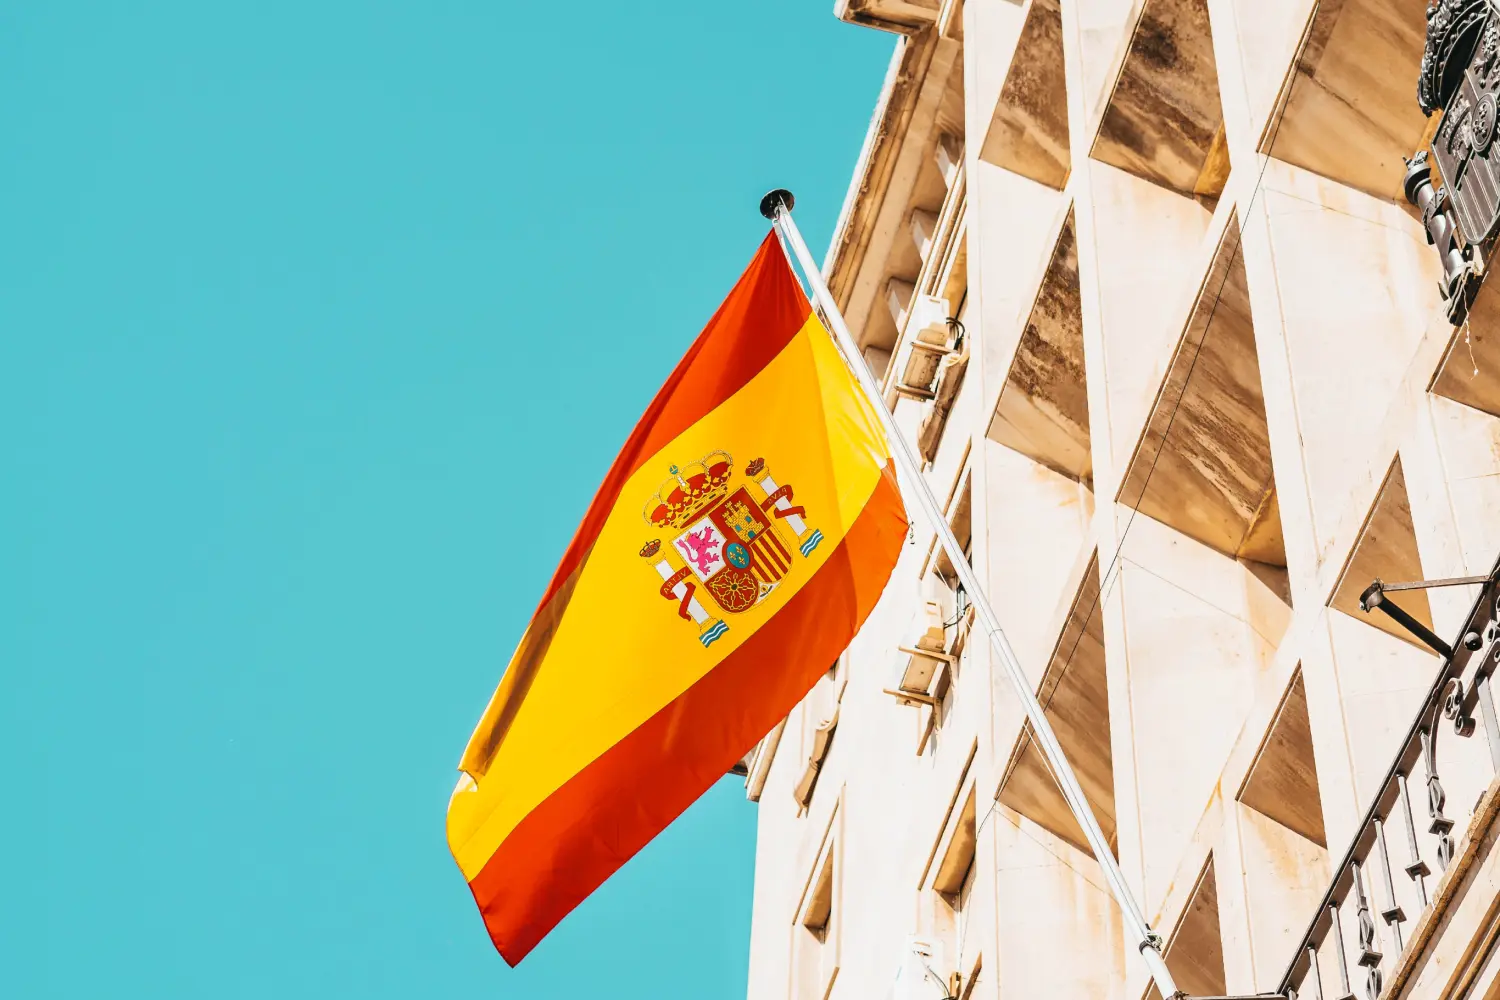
[931,654]
[912,697]
[1374,597]
[1451,581]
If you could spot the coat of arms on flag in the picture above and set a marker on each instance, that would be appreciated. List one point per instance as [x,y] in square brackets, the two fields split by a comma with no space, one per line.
[726,539]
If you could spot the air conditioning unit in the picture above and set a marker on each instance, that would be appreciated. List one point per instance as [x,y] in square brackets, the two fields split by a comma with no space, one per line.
[930,344]
[917,975]
[946,383]
[927,654]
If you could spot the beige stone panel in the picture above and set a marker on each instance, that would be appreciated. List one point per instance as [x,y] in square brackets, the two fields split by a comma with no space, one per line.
[1147,241]
[1357,283]
[1283,434]
[1266,607]
[1283,781]
[1470,371]
[1039,523]
[1015,222]
[1213,578]
[1203,465]
[1195,948]
[1386,549]
[1129,832]
[1284,878]
[1192,668]
[1347,108]
[985,906]
[1403,425]
[867,856]
[1342,808]
[991,30]
[1234,917]
[1104,28]
[1028,132]
[1469,443]
[1381,682]
[1042,410]
[1051,902]
[1434,505]
[778,832]
[1075,697]
[1163,121]
[1265,36]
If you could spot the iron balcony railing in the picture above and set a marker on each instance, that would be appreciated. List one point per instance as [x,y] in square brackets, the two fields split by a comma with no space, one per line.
[1391,874]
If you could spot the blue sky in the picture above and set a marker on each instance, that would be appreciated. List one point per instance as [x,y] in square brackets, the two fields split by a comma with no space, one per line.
[319,323]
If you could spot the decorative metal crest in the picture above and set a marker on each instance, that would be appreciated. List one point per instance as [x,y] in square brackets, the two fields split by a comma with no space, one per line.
[1461,75]
[1453,28]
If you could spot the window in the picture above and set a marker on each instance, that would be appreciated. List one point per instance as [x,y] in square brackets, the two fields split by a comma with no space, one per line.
[957,610]
[818,910]
[955,873]
[942,578]
[820,717]
[815,930]
[960,519]
[949,883]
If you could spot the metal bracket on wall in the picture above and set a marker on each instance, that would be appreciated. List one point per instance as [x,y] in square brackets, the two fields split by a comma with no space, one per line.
[912,698]
[1375,597]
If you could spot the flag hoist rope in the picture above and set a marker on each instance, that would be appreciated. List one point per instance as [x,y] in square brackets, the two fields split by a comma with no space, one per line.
[777,206]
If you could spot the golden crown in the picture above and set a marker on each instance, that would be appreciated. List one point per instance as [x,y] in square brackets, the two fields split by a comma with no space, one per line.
[691,490]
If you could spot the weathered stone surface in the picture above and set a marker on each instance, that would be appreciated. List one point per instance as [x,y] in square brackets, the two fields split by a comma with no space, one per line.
[1283,781]
[1350,114]
[1203,465]
[1075,693]
[1043,408]
[1028,132]
[1164,113]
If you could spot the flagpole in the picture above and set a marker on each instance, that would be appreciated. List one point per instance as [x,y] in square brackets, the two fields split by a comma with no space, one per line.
[777,206]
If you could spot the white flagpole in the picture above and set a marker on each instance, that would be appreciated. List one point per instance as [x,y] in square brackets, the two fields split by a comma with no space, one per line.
[777,206]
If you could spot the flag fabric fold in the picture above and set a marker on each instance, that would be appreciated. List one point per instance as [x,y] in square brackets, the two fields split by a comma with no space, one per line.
[738,542]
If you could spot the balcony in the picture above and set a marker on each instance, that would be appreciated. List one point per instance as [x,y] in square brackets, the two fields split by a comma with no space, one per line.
[1410,908]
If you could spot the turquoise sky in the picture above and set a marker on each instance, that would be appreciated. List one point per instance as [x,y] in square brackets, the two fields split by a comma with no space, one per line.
[319,324]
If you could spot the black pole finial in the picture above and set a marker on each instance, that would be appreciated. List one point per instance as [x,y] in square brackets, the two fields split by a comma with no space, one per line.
[780,198]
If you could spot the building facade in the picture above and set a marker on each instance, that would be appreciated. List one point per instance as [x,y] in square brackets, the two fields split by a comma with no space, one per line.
[1194,357]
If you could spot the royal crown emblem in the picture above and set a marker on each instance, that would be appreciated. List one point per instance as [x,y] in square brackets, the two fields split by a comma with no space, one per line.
[726,540]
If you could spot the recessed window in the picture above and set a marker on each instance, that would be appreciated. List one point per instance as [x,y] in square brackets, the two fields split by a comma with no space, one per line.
[948,885]
[960,519]
[819,909]
[956,868]
[815,930]
[820,718]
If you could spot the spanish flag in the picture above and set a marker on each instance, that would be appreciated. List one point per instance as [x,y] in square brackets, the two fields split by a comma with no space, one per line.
[737,544]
